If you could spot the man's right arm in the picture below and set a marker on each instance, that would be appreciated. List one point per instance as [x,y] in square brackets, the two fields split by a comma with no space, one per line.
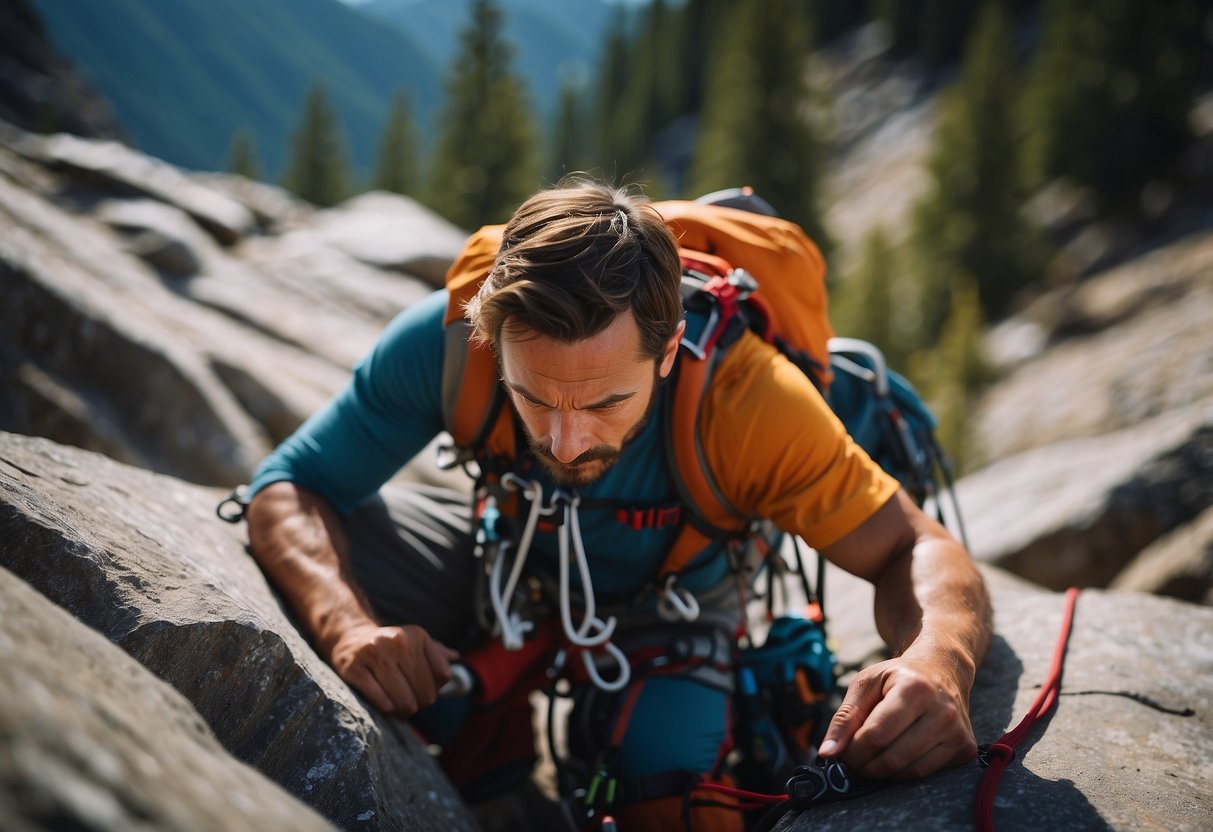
[296,538]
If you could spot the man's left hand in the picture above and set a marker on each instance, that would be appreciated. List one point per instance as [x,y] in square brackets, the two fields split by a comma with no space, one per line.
[904,718]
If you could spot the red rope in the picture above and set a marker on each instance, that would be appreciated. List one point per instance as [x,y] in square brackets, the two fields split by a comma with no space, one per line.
[757,797]
[1000,753]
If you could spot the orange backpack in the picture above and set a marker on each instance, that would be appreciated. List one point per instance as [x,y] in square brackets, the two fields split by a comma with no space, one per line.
[738,266]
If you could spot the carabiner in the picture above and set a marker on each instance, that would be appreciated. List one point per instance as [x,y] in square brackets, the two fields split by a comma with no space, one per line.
[677,603]
[237,497]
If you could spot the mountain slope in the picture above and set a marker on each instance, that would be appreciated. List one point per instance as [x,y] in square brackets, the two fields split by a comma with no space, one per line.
[185,76]
[553,39]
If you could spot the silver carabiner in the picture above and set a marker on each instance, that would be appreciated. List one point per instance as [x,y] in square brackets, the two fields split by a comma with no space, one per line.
[677,603]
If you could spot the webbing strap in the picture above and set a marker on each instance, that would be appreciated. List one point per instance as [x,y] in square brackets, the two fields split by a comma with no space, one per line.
[998,755]
[689,468]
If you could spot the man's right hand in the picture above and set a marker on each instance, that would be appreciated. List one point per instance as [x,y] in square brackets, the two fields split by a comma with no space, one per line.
[297,540]
[399,669]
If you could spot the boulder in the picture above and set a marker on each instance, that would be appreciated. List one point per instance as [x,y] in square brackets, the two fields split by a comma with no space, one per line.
[92,741]
[160,234]
[98,322]
[1077,511]
[114,168]
[393,232]
[274,208]
[1129,745]
[195,376]
[142,559]
[1129,345]
[1179,565]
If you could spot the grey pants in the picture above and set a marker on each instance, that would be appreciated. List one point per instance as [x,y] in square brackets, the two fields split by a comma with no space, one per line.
[411,553]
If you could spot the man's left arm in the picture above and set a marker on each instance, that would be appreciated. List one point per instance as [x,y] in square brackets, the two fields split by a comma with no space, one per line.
[909,716]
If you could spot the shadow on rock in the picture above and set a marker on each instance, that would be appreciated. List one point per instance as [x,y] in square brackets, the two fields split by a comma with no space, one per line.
[947,800]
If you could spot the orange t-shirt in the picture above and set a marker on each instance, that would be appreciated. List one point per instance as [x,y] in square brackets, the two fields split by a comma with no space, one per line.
[778,452]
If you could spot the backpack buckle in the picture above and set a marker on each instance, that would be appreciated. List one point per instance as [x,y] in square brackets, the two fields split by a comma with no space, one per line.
[699,347]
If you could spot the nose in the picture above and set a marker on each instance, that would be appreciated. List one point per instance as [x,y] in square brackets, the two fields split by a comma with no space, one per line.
[570,436]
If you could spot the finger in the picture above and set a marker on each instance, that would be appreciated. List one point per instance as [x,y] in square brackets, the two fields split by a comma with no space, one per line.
[391,673]
[439,657]
[863,693]
[879,757]
[884,726]
[935,740]
[362,680]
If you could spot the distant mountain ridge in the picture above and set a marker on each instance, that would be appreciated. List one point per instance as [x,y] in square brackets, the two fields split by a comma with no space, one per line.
[183,77]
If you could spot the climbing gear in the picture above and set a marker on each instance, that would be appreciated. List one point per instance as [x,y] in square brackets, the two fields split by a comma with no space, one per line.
[997,755]
[592,634]
[782,701]
[888,419]
[232,508]
[777,291]
[822,781]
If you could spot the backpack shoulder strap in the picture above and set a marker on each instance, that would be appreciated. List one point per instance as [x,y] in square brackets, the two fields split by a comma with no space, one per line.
[708,514]
[473,409]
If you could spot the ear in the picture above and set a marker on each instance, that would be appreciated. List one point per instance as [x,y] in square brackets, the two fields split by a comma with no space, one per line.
[671,350]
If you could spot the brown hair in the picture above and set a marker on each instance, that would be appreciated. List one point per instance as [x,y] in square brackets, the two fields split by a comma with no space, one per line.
[575,256]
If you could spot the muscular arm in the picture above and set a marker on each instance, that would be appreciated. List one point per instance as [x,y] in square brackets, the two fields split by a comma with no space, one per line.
[909,716]
[296,538]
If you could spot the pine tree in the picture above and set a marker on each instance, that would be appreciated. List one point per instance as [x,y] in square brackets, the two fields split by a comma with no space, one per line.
[317,169]
[969,227]
[954,374]
[242,156]
[649,99]
[485,161]
[863,304]
[569,151]
[397,168]
[1110,92]
[755,129]
[612,81]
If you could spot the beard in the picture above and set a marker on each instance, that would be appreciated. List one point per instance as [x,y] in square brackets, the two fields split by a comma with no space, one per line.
[592,464]
[585,469]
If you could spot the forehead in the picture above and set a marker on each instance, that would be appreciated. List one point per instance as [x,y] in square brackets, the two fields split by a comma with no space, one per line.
[612,355]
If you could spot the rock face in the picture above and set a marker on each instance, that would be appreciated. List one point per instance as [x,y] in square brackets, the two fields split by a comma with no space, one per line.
[1179,565]
[1118,752]
[90,740]
[142,559]
[145,319]
[1077,512]
[1128,346]
[1103,442]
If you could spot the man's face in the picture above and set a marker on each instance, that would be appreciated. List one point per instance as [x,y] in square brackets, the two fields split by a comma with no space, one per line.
[580,403]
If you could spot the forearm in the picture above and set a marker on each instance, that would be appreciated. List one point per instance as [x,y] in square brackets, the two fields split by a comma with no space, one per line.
[296,538]
[932,603]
